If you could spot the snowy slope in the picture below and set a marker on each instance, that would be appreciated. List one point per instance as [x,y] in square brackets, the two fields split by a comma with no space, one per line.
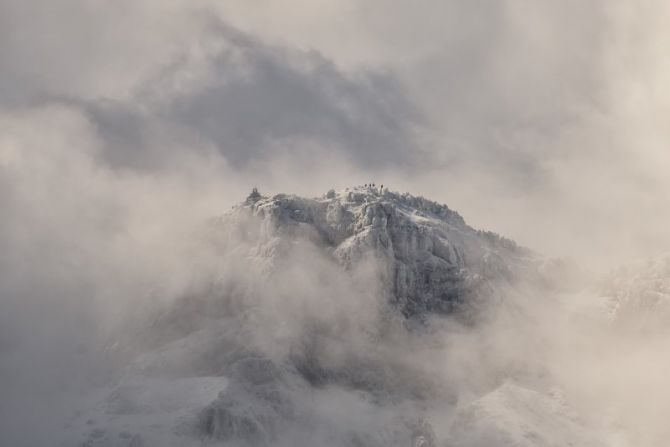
[143,412]
[514,416]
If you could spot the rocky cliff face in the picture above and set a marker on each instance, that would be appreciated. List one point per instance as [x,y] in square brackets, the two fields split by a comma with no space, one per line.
[428,257]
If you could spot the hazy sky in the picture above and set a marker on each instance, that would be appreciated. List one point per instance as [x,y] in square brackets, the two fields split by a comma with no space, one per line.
[545,121]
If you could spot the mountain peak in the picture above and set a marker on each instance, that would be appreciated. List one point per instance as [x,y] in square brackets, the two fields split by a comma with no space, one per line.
[365,196]
[431,259]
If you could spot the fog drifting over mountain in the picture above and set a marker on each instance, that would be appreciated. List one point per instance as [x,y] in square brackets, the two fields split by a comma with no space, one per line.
[126,126]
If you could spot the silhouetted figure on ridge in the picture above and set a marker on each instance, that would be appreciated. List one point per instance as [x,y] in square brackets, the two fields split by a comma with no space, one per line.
[254,197]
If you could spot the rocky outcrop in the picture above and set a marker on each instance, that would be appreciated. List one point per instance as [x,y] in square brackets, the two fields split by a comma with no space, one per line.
[428,257]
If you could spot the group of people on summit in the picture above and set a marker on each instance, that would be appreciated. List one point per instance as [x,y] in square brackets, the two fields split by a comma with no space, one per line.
[372,185]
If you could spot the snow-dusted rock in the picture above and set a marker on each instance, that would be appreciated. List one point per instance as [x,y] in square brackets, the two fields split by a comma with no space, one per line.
[429,258]
[639,293]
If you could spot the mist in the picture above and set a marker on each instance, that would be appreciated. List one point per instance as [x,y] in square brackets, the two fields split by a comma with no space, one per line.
[127,129]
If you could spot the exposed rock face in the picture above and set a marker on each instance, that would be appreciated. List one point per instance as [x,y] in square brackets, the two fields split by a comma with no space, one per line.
[429,259]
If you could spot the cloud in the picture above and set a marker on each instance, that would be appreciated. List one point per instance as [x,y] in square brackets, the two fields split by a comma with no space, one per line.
[190,75]
[247,99]
[503,109]
[125,125]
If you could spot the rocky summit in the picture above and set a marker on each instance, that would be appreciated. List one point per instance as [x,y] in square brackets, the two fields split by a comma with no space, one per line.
[429,258]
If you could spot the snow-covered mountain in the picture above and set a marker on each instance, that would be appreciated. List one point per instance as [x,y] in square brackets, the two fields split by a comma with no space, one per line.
[331,321]
[429,258]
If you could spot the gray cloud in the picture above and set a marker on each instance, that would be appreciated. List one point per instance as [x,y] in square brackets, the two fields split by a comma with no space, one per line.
[218,88]
[254,96]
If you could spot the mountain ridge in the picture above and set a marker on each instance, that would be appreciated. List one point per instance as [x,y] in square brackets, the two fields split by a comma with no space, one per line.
[432,258]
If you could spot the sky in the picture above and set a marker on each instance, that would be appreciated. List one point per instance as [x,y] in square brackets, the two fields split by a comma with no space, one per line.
[543,121]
